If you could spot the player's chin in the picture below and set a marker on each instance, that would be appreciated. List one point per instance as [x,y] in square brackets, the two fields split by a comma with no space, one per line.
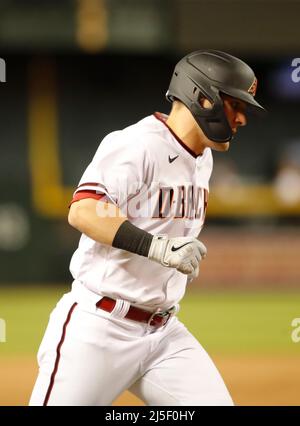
[221,146]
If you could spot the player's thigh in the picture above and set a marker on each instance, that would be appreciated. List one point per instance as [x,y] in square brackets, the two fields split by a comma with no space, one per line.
[77,360]
[182,374]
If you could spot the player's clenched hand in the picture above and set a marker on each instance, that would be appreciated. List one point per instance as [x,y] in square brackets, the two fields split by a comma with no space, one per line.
[193,275]
[182,253]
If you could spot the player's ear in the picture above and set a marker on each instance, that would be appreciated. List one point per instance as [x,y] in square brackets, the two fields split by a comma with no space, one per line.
[205,103]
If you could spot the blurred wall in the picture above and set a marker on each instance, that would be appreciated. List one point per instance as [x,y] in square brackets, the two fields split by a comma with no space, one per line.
[259,27]
[76,70]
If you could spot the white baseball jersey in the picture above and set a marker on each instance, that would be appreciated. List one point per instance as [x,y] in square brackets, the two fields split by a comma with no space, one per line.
[89,356]
[161,186]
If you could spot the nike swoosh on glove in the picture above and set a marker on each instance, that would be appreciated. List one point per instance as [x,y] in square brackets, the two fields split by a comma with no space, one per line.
[182,253]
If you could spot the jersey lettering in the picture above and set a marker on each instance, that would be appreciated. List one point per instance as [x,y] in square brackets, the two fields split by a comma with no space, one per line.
[184,202]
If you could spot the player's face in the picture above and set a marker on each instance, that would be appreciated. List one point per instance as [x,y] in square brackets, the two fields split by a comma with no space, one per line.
[235,111]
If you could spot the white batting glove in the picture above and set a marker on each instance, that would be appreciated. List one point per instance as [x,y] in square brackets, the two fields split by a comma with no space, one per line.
[182,253]
[193,275]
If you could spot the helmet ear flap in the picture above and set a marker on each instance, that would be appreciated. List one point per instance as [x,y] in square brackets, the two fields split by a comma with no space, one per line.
[213,121]
[216,126]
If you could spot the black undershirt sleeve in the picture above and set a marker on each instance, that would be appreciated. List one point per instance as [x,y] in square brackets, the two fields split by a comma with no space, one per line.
[131,238]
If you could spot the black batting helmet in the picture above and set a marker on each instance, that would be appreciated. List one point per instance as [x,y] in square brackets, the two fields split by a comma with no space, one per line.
[207,73]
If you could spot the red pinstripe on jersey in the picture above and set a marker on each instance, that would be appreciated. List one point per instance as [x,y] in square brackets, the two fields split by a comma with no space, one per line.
[58,349]
[161,118]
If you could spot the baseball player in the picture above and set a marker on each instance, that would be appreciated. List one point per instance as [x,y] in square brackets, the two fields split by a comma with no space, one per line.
[140,206]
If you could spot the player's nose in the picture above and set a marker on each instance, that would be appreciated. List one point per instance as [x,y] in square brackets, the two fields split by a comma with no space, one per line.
[240,119]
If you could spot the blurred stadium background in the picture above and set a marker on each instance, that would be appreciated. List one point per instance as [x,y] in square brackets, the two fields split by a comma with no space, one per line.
[72,71]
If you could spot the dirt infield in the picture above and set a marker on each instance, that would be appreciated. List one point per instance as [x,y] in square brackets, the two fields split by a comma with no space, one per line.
[257,380]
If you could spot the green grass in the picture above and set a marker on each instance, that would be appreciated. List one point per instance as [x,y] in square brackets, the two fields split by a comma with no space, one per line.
[26,312]
[248,323]
[243,322]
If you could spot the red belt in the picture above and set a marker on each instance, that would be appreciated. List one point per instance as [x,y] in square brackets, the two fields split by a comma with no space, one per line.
[155,319]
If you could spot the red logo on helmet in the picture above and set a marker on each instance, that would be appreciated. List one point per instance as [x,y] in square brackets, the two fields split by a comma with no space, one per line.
[253,88]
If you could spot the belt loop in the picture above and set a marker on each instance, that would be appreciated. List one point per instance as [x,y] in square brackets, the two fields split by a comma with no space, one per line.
[124,308]
[121,308]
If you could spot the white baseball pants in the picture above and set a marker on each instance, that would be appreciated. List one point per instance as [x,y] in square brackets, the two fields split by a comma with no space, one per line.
[89,357]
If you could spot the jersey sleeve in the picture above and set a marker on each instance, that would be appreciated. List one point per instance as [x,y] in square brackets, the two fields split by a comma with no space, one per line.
[80,195]
[118,171]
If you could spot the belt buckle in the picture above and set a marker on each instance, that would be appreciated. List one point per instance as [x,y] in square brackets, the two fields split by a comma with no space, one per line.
[162,314]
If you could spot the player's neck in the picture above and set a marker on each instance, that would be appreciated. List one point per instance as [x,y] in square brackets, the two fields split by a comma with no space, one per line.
[183,125]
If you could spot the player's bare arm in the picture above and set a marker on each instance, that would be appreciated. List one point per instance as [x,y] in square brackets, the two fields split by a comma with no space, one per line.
[83,217]
[182,253]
